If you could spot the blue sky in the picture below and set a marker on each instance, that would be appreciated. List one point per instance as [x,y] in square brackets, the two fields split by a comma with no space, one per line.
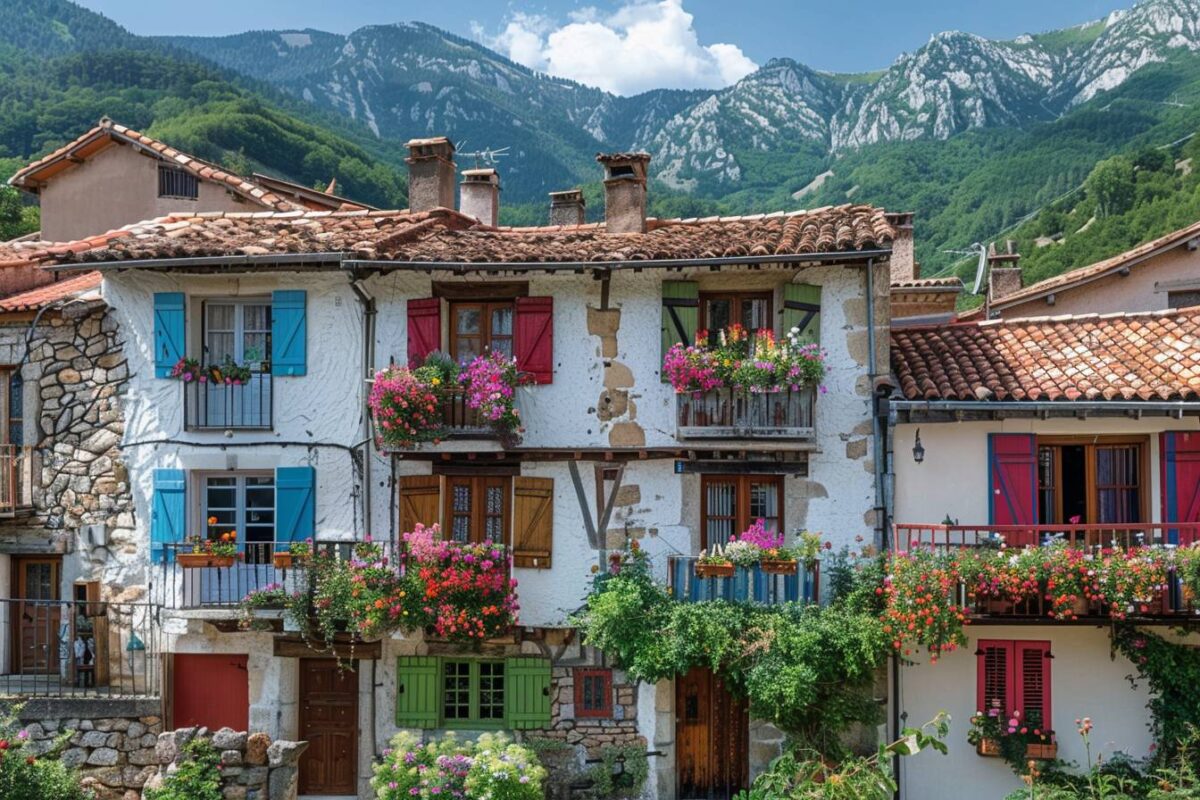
[837,35]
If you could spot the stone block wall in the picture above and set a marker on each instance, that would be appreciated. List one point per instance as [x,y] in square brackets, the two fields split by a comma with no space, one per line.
[252,766]
[588,733]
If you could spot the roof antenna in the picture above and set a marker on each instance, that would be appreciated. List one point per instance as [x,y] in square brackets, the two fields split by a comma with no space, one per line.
[976,249]
[487,157]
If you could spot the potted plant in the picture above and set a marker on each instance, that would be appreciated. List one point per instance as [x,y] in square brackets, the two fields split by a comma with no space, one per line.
[219,552]
[714,564]
[271,597]
[297,553]
[986,732]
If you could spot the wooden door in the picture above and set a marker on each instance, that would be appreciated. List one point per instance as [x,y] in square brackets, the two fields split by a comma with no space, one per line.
[329,723]
[36,634]
[712,738]
[210,690]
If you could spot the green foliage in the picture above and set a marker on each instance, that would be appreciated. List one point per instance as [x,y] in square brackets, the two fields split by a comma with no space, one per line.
[1171,671]
[24,776]
[198,776]
[1109,187]
[621,773]
[490,767]
[16,218]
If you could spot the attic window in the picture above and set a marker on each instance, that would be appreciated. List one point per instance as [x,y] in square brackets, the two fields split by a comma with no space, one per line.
[175,182]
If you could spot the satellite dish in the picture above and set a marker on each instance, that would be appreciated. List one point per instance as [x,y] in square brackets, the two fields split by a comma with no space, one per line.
[981,268]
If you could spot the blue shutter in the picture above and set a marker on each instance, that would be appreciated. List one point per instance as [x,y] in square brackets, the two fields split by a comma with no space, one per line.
[168,332]
[295,503]
[168,512]
[289,333]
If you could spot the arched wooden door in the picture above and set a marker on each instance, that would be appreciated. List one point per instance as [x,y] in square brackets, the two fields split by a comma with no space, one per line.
[712,738]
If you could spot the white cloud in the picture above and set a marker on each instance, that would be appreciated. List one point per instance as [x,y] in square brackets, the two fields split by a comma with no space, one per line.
[641,46]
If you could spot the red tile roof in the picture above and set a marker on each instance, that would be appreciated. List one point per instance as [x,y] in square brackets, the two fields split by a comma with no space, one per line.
[1148,356]
[107,132]
[51,293]
[952,284]
[442,235]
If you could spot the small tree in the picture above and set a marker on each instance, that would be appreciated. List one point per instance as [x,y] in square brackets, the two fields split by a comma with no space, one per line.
[1111,186]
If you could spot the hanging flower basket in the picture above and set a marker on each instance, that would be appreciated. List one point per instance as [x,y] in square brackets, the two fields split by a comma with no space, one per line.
[202,560]
[778,566]
[990,748]
[714,570]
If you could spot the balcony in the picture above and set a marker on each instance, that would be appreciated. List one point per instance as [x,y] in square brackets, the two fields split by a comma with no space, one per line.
[16,479]
[785,415]
[747,585]
[228,406]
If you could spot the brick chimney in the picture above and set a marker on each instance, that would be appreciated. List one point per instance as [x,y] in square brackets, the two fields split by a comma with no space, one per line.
[567,208]
[430,173]
[1004,274]
[624,191]
[480,195]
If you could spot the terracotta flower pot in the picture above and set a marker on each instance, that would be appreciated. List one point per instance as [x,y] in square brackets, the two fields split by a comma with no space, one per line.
[1042,752]
[202,560]
[714,570]
[283,560]
[988,748]
[782,566]
[1081,607]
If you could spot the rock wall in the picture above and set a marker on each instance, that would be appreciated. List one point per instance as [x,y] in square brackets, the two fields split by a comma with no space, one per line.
[592,734]
[252,766]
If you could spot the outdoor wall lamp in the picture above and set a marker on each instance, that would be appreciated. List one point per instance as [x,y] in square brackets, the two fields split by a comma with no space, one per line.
[918,449]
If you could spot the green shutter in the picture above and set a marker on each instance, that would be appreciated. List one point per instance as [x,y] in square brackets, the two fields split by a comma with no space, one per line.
[417,692]
[527,692]
[680,314]
[802,309]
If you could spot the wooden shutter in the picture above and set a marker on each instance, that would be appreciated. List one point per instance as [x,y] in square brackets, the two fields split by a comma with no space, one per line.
[417,695]
[680,315]
[295,503]
[168,513]
[527,693]
[533,340]
[1180,460]
[420,501]
[802,309]
[424,329]
[1012,479]
[169,332]
[994,687]
[533,522]
[289,333]
[1032,682]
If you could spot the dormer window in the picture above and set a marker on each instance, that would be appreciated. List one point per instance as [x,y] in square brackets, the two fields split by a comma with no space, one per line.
[177,183]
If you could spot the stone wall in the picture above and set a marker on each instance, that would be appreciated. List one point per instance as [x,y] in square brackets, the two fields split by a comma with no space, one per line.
[592,734]
[252,766]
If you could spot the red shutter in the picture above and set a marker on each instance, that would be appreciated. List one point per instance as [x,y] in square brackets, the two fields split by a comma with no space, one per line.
[534,339]
[1012,471]
[993,675]
[1033,683]
[1180,456]
[424,329]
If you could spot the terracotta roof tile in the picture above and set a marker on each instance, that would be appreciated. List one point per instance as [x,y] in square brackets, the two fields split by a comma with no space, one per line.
[1149,356]
[952,284]
[45,295]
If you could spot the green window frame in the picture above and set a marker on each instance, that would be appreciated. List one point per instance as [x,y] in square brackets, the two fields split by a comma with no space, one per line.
[472,693]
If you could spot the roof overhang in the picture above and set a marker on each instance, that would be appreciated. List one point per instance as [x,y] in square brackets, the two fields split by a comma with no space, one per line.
[932,411]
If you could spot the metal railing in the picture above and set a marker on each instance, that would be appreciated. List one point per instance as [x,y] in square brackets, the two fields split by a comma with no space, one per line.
[223,406]
[739,414]
[16,478]
[64,648]
[462,421]
[746,585]
[907,536]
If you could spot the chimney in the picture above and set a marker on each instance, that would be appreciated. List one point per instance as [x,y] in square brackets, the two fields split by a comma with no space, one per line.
[567,208]
[1004,275]
[903,261]
[481,195]
[430,173]
[624,191]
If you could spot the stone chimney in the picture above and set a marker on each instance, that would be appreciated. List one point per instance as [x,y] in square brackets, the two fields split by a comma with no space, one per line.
[1004,274]
[567,208]
[430,173]
[904,261]
[624,191]
[481,195]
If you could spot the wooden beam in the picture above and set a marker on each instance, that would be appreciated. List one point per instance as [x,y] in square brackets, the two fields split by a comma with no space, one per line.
[297,647]
[588,524]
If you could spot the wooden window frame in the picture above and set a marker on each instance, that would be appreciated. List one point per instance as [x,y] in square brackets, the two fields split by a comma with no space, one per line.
[479,484]
[605,711]
[742,518]
[473,720]
[199,482]
[485,336]
[735,307]
[1014,685]
[1090,444]
[9,373]
[239,328]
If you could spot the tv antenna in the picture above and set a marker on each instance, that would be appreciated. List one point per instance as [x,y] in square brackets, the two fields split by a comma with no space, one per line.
[981,251]
[487,157]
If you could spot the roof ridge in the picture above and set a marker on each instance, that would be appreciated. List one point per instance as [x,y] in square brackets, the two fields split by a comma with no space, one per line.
[1095,315]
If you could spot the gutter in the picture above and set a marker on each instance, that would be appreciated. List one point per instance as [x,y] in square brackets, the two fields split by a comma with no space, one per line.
[367,301]
[273,259]
[1176,408]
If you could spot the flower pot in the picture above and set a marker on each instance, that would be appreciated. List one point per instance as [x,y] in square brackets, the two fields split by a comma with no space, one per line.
[997,605]
[781,566]
[1042,752]
[202,560]
[714,570]
[988,748]
[1081,607]
[284,560]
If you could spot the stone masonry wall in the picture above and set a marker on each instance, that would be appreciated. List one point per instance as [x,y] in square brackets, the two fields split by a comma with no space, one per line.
[592,734]
[252,766]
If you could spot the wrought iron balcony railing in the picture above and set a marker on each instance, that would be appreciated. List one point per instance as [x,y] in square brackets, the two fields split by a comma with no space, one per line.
[229,406]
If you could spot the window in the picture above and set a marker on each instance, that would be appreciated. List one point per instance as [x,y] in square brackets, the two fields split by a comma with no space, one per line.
[244,504]
[473,693]
[1014,676]
[238,330]
[593,693]
[12,400]
[477,508]
[478,328]
[730,504]
[1183,299]
[751,310]
[175,182]
[1095,480]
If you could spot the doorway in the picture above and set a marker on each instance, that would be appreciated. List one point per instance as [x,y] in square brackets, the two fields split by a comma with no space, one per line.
[712,738]
[37,613]
[329,723]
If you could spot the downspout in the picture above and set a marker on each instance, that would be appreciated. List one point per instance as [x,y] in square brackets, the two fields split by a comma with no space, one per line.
[367,301]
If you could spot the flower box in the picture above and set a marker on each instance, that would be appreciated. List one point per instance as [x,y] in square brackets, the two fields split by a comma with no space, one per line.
[714,570]
[988,748]
[778,566]
[286,560]
[1042,752]
[1081,607]
[202,560]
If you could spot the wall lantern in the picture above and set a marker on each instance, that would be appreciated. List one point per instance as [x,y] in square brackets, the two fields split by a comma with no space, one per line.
[918,449]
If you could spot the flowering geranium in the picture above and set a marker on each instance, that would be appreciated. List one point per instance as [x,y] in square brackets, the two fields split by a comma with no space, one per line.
[490,768]
[405,408]
[734,359]
[490,382]
[921,590]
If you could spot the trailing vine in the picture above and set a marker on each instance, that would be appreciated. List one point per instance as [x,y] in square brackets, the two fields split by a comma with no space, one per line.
[1171,671]
[609,782]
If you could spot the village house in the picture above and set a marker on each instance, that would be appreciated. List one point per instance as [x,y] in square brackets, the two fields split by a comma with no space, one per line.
[313,303]
[1023,432]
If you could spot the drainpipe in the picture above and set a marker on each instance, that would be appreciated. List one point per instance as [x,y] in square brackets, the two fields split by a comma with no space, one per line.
[367,301]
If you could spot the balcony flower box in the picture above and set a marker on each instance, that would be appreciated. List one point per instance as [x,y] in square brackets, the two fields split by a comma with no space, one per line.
[778,566]
[203,560]
[286,560]
[1041,752]
[714,570]
[988,748]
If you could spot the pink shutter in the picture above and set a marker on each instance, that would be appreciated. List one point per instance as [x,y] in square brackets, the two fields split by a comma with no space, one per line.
[1180,457]
[533,343]
[993,676]
[1033,683]
[1012,470]
[424,329]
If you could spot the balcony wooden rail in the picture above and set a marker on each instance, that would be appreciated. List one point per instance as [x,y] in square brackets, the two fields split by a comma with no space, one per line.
[906,536]
[228,406]
[16,478]
[739,414]
[64,648]
[747,585]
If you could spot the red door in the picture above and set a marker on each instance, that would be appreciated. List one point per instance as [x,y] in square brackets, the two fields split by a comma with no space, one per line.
[211,690]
